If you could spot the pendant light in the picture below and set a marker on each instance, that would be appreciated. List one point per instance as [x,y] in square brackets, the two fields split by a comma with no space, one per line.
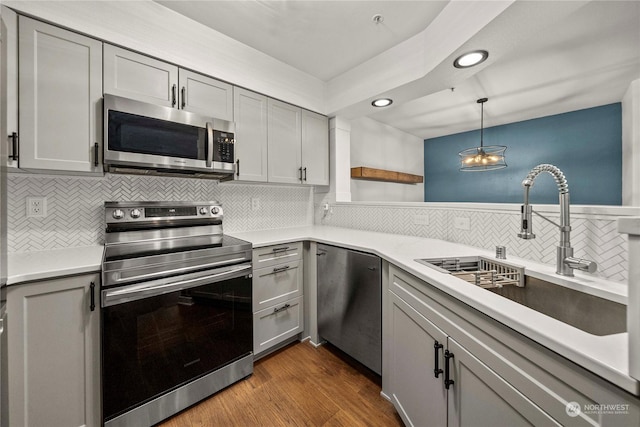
[482,158]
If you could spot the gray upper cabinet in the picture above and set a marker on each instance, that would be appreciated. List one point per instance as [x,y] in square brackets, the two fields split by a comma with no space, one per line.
[204,95]
[146,79]
[60,88]
[9,84]
[285,131]
[136,76]
[298,145]
[315,148]
[250,112]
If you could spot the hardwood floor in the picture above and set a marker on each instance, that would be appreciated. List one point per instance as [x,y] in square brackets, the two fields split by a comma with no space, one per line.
[299,385]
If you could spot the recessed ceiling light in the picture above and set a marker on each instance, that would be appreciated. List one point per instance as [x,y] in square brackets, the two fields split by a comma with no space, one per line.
[470,59]
[382,102]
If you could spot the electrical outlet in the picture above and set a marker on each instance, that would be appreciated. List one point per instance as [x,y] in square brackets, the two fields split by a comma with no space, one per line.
[36,207]
[461,223]
[421,219]
[255,204]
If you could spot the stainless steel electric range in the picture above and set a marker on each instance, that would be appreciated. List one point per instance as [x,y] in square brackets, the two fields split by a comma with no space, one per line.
[176,309]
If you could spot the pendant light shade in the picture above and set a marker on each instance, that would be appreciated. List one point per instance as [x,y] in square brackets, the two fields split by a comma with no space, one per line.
[482,158]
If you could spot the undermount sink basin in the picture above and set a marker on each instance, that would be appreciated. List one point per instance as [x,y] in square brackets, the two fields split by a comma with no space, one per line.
[594,315]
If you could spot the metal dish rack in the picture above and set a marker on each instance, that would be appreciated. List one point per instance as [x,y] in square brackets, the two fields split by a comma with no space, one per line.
[479,271]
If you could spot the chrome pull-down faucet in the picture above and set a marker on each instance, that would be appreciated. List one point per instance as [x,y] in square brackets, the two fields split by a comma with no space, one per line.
[565,262]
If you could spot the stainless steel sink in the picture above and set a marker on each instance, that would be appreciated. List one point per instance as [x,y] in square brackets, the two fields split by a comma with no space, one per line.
[595,315]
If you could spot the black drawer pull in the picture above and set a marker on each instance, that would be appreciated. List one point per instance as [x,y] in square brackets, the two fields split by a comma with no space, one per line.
[238,167]
[283,308]
[436,370]
[447,380]
[184,97]
[279,269]
[173,95]
[284,249]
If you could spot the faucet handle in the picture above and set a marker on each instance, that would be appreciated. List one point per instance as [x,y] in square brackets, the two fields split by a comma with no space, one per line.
[581,264]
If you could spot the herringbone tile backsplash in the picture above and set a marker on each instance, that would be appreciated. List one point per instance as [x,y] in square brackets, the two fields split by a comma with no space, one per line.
[75,206]
[75,217]
[593,237]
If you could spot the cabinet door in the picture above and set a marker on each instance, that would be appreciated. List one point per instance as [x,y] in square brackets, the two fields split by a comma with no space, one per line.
[9,84]
[54,353]
[285,134]
[250,112]
[204,95]
[315,148]
[60,98]
[476,388]
[419,397]
[136,76]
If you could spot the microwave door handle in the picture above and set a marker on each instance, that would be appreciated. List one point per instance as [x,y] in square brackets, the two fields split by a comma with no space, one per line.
[209,144]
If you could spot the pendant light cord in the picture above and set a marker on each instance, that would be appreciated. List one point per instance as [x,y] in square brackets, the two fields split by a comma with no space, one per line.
[481,101]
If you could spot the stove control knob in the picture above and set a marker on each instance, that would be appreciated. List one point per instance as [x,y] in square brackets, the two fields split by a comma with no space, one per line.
[117,214]
[215,210]
[135,213]
[203,211]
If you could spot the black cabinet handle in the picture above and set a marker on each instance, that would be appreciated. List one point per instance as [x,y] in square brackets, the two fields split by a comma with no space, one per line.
[436,370]
[173,95]
[14,146]
[447,380]
[300,173]
[305,174]
[92,304]
[284,307]
[96,154]
[279,269]
[238,167]
[183,94]
[281,249]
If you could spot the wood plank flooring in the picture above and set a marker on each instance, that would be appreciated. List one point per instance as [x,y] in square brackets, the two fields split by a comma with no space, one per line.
[299,385]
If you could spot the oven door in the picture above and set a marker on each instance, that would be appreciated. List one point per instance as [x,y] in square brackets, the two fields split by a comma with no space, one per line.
[158,340]
[144,135]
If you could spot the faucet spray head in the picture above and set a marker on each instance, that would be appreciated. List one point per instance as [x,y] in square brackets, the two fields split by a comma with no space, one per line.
[526,224]
[526,214]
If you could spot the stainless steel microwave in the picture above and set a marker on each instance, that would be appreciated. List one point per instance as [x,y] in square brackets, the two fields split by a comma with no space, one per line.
[151,139]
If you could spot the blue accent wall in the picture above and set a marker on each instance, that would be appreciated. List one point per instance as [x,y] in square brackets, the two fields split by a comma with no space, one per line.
[586,145]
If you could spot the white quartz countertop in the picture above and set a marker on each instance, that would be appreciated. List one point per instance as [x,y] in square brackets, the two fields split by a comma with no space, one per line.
[39,265]
[606,356]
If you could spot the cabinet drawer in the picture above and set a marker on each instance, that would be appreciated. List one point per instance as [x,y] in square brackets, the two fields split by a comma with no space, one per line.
[277,254]
[275,324]
[274,285]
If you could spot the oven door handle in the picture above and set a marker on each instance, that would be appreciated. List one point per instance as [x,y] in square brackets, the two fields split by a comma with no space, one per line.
[138,291]
[116,278]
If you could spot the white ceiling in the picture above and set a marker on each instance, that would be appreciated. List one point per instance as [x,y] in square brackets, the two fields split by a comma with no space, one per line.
[540,62]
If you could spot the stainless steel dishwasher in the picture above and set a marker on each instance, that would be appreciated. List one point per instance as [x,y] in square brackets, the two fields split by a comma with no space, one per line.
[350,303]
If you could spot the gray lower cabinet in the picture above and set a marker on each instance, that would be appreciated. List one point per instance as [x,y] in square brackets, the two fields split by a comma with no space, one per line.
[278,309]
[419,397]
[54,352]
[499,377]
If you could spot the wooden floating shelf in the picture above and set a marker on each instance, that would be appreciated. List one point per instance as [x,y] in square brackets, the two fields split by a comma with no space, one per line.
[384,175]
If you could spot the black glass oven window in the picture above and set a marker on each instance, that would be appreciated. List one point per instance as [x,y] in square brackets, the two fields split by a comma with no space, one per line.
[137,134]
[155,345]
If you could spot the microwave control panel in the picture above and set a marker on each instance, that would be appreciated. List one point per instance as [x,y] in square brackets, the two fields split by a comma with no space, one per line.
[223,143]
